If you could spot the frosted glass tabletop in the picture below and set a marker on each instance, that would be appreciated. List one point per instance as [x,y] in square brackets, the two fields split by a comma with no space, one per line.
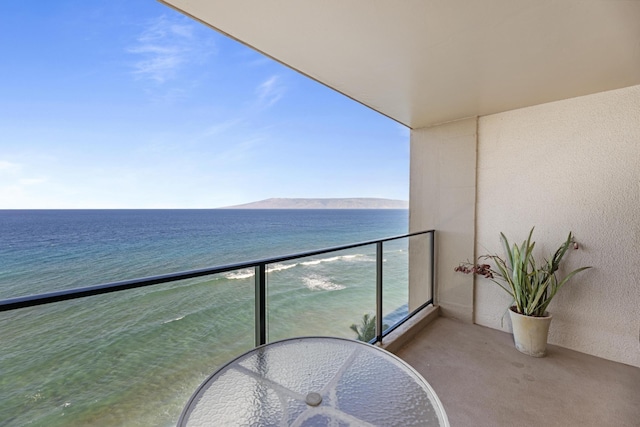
[315,381]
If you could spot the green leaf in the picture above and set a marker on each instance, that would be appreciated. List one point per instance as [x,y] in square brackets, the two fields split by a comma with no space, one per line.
[531,285]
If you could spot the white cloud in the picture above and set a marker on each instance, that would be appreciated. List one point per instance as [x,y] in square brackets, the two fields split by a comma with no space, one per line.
[221,128]
[9,167]
[22,193]
[31,181]
[241,151]
[270,91]
[165,48]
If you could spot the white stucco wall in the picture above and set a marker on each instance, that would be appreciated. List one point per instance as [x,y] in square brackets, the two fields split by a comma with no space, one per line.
[442,197]
[568,165]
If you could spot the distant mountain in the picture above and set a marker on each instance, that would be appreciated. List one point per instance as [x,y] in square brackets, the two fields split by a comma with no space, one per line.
[350,203]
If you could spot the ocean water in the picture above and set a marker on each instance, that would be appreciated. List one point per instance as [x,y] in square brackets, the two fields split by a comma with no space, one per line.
[133,358]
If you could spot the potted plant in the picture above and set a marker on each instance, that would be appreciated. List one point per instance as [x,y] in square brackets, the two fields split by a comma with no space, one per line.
[532,286]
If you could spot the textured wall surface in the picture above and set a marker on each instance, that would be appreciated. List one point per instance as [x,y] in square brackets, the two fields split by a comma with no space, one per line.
[442,197]
[572,165]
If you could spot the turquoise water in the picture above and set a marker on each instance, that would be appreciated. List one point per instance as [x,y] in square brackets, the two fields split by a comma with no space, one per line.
[134,358]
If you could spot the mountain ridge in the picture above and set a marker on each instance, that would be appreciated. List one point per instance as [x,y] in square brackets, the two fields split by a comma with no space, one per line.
[324,203]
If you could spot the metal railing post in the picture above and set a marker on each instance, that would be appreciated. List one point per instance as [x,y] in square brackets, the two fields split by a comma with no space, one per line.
[379,260]
[433,266]
[261,304]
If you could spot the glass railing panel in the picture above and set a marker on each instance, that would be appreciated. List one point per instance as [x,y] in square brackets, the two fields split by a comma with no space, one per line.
[395,270]
[420,270]
[127,358]
[321,295]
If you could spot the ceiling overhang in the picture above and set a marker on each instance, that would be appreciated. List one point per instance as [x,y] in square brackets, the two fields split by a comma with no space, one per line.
[424,62]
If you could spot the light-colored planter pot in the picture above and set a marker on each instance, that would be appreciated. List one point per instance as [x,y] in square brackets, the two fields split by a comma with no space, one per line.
[530,333]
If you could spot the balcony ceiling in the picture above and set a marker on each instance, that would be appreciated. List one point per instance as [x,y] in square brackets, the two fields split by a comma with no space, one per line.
[424,62]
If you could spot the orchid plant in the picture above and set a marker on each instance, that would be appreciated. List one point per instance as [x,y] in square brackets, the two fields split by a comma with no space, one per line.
[532,286]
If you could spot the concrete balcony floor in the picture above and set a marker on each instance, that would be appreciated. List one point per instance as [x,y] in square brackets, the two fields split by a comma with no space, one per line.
[482,380]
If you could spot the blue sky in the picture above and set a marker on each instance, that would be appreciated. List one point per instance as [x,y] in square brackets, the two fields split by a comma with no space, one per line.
[129,104]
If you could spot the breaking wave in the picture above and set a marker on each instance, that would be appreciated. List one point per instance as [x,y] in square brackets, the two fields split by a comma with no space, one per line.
[316,282]
[173,320]
[249,272]
[280,267]
[240,274]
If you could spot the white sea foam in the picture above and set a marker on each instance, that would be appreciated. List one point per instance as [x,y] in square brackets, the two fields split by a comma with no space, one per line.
[173,320]
[249,273]
[240,274]
[364,258]
[280,267]
[333,259]
[315,282]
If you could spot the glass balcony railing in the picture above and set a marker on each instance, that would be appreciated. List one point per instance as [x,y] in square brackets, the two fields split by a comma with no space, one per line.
[132,352]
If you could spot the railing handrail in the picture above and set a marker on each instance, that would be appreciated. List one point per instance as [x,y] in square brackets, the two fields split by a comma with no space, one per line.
[75,293]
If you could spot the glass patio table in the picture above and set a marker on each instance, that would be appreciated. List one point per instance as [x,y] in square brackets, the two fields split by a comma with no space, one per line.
[315,381]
